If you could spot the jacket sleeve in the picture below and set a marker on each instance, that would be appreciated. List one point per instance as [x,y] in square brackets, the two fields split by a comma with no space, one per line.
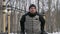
[42,22]
[22,23]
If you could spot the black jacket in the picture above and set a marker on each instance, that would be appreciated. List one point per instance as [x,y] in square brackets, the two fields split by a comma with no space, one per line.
[41,19]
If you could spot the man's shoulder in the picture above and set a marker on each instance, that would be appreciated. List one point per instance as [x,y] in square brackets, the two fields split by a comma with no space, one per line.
[25,14]
[39,14]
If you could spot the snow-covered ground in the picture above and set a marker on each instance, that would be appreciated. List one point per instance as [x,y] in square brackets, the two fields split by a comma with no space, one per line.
[54,33]
[48,33]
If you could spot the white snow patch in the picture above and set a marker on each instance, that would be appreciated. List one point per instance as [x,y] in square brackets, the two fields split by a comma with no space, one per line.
[54,33]
[48,33]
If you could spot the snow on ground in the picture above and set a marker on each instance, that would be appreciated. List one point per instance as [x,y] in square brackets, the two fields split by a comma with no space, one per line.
[54,33]
[48,33]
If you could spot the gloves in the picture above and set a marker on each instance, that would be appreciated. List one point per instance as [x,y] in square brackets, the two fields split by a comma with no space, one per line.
[22,32]
[43,32]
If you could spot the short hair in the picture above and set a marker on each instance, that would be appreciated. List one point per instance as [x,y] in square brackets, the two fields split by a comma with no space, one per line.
[32,5]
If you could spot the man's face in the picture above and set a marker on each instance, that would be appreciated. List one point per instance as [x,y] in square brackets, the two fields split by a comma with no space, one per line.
[32,10]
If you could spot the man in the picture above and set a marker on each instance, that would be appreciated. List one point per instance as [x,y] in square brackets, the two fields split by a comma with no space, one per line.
[32,22]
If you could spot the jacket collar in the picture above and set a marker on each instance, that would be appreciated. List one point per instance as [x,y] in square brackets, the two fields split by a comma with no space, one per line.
[32,15]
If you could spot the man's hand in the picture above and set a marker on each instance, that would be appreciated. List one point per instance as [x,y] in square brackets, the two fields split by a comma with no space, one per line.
[22,32]
[43,32]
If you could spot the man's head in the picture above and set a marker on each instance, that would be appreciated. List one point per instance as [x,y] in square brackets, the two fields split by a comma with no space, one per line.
[32,9]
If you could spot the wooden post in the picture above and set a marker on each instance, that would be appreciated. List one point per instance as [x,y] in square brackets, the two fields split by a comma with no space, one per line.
[4,21]
[8,22]
[4,15]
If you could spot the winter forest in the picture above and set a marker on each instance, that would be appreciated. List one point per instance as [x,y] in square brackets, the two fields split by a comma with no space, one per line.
[12,10]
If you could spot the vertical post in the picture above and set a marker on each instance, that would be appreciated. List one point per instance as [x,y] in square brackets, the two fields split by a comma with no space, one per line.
[8,22]
[4,15]
[4,21]
[38,6]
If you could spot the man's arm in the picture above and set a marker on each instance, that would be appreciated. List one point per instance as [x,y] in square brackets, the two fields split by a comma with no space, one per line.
[22,23]
[42,23]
